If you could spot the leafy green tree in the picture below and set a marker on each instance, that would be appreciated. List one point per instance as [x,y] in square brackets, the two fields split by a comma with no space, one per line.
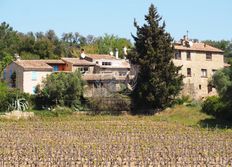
[8,39]
[44,48]
[63,89]
[8,45]
[221,107]
[109,43]
[51,35]
[158,81]
[5,59]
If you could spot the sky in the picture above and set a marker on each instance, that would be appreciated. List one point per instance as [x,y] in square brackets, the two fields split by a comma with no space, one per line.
[203,19]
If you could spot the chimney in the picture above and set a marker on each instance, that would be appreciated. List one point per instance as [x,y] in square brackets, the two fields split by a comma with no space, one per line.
[17,57]
[116,53]
[185,38]
[82,54]
[111,53]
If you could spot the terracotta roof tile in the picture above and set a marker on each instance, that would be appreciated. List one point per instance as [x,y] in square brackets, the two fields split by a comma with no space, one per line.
[52,61]
[33,65]
[197,47]
[101,56]
[78,61]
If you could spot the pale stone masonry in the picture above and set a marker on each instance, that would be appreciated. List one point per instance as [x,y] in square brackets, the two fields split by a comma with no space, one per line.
[199,62]
[98,72]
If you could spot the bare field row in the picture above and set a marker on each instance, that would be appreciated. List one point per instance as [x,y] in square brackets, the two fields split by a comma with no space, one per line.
[122,142]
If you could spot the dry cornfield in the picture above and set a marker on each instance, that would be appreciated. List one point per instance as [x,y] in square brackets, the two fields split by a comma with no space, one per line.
[123,141]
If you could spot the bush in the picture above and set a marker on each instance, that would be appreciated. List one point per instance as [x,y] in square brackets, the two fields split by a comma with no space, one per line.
[8,95]
[62,111]
[63,89]
[110,105]
[183,99]
[213,106]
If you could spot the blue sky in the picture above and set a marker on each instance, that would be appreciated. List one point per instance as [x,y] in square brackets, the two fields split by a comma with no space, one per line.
[204,19]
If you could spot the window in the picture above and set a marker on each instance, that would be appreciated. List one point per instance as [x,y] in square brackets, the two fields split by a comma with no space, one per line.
[4,74]
[200,87]
[11,71]
[213,71]
[34,76]
[55,68]
[204,73]
[178,55]
[188,55]
[106,63]
[84,69]
[189,72]
[122,73]
[210,88]
[33,89]
[208,56]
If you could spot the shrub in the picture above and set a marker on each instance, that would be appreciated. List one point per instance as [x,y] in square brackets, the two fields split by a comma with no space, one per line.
[64,89]
[182,100]
[109,105]
[9,95]
[62,111]
[213,106]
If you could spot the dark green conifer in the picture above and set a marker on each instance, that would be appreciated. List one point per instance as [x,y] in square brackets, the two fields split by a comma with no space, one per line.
[158,81]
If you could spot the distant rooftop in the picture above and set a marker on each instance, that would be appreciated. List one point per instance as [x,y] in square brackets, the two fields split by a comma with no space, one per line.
[197,47]
[35,65]
[78,61]
[101,56]
[188,45]
[52,61]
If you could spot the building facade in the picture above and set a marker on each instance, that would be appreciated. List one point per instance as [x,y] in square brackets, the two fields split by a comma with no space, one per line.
[199,62]
[102,72]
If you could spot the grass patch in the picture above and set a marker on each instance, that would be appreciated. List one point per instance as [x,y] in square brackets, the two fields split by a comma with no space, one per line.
[189,116]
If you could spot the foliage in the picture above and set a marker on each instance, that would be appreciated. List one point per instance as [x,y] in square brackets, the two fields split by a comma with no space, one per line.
[62,111]
[9,95]
[183,99]
[8,39]
[109,105]
[19,104]
[183,115]
[109,43]
[158,81]
[221,107]
[213,106]
[64,89]
[47,45]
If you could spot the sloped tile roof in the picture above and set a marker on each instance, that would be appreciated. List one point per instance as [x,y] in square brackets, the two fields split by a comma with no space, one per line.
[197,47]
[101,56]
[78,61]
[52,61]
[36,65]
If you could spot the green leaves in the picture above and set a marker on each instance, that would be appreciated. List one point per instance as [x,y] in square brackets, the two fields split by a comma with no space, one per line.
[63,89]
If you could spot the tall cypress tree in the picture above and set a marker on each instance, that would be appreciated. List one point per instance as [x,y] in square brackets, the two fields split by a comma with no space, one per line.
[158,81]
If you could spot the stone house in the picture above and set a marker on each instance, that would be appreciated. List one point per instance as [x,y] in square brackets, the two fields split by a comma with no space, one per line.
[105,73]
[102,78]
[199,62]
[30,73]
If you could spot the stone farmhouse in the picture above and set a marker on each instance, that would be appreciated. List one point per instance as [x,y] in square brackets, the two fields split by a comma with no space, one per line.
[99,71]
[199,62]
